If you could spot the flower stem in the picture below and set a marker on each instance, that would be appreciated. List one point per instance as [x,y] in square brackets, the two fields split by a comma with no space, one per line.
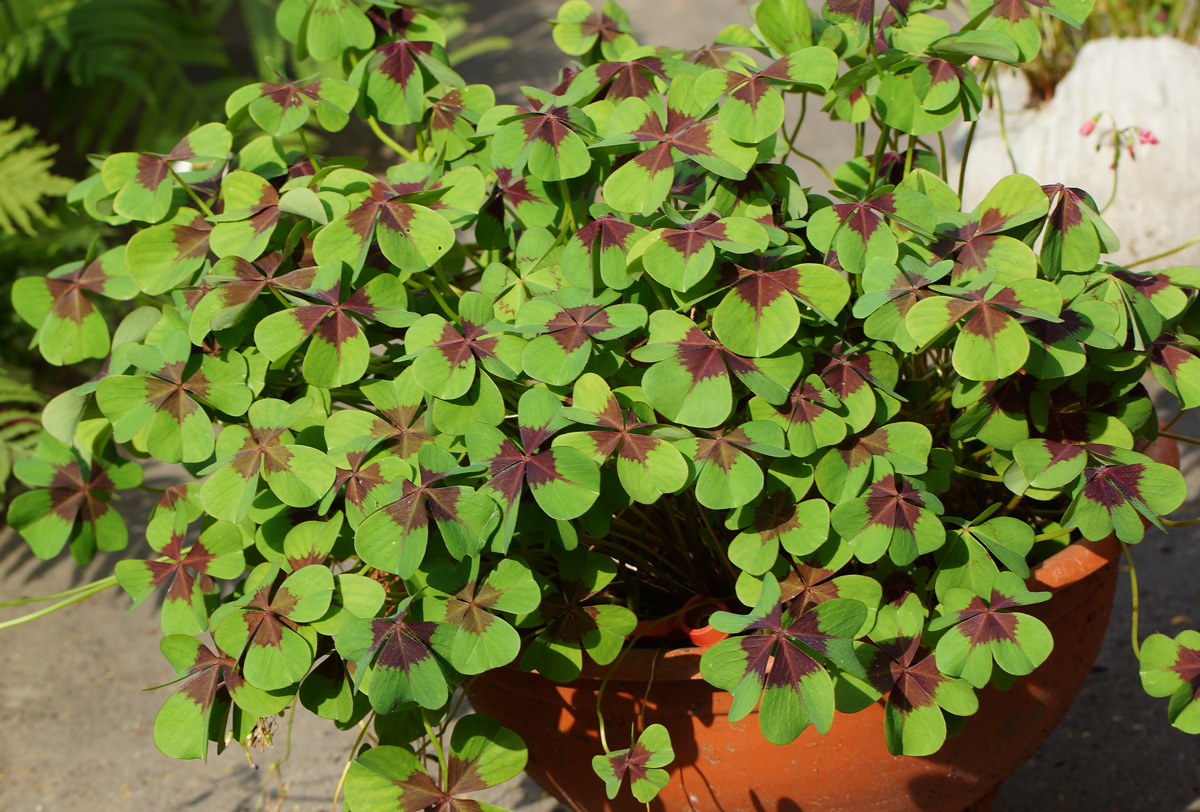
[1003,125]
[1116,180]
[1174,250]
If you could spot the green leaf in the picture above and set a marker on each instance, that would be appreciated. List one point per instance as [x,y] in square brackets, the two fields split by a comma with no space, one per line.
[483,754]
[167,256]
[1116,499]
[324,28]
[642,762]
[578,27]
[1170,668]
[981,631]
[62,306]
[71,500]
[396,661]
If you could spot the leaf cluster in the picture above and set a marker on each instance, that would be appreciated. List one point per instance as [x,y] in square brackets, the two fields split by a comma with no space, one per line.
[572,361]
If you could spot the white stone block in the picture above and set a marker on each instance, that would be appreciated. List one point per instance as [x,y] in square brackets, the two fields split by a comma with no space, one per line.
[1153,83]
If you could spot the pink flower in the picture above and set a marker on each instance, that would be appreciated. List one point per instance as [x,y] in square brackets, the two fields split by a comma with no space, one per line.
[1088,127]
[1146,137]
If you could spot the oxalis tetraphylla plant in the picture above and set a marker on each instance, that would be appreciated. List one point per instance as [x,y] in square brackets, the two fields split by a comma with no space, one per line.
[571,362]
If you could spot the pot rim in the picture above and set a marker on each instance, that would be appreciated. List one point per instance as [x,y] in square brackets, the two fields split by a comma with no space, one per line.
[1067,567]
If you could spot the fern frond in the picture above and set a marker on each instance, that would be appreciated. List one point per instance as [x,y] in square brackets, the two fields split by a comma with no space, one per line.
[117,65]
[25,178]
[28,28]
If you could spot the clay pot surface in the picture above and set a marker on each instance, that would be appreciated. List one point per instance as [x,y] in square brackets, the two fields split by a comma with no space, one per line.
[729,767]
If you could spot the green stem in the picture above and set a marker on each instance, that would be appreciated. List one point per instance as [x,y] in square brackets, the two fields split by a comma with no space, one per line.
[942,146]
[791,139]
[1181,438]
[646,701]
[1133,589]
[437,747]
[279,296]
[880,147]
[908,155]
[307,151]
[437,295]
[1012,504]
[350,760]
[613,669]
[1166,426]
[56,595]
[568,218]
[388,141]
[662,297]
[977,475]
[1174,250]
[1062,531]
[962,170]
[860,138]
[812,161]
[1116,175]
[287,752]
[96,588]
[1182,523]
[195,197]
[440,272]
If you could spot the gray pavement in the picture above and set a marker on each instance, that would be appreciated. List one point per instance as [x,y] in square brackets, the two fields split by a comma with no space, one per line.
[75,726]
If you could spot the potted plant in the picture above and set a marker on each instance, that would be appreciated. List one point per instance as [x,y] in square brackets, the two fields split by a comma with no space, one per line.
[599,358]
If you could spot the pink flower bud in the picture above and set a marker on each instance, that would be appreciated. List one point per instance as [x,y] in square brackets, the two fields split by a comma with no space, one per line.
[1146,137]
[1088,127]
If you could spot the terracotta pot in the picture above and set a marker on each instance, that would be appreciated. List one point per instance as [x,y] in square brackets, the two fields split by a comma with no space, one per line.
[694,623]
[725,767]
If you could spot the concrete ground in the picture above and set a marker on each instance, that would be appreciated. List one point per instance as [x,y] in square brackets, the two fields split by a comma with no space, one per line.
[75,725]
